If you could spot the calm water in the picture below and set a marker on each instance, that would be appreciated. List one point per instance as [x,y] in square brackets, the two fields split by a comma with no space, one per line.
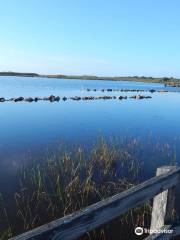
[29,128]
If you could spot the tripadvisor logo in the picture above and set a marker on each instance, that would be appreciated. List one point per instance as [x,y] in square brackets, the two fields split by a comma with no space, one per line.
[139,231]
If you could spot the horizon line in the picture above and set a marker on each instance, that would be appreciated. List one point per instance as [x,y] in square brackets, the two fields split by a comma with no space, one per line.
[85,75]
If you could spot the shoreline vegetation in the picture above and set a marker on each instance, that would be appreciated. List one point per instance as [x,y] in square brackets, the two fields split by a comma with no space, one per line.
[167,81]
[71,179]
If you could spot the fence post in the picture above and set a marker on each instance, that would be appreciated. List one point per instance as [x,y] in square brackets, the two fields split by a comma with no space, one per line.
[163,203]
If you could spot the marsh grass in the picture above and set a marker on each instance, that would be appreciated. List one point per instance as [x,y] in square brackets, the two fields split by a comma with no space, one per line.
[67,181]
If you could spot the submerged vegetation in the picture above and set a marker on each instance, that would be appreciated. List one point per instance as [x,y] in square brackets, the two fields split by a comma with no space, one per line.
[66,181]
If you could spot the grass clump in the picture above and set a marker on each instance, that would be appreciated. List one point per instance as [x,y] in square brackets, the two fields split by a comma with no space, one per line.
[67,181]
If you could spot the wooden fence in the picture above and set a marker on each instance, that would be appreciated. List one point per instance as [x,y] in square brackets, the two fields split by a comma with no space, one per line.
[161,188]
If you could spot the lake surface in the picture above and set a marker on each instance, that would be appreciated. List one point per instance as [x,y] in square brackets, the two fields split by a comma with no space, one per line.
[30,128]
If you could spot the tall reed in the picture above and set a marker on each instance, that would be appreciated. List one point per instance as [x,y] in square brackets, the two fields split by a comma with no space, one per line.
[66,181]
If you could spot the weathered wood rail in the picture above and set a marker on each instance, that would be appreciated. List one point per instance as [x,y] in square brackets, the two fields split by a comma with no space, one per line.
[70,227]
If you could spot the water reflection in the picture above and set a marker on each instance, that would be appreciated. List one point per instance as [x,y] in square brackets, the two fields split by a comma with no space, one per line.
[29,128]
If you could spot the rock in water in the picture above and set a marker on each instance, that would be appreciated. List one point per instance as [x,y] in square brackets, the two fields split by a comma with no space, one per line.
[2,99]
[29,99]
[19,99]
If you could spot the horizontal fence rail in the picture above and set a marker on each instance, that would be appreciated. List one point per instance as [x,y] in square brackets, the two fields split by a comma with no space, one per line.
[75,225]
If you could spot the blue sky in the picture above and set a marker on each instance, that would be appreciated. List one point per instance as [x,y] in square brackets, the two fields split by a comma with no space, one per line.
[99,37]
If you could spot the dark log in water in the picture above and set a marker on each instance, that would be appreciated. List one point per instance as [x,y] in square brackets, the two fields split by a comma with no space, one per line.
[76,98]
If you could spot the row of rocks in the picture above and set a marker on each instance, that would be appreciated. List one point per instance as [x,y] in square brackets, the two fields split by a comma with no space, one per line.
[126,90]
[53,98]
[172,85]
[140,97]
